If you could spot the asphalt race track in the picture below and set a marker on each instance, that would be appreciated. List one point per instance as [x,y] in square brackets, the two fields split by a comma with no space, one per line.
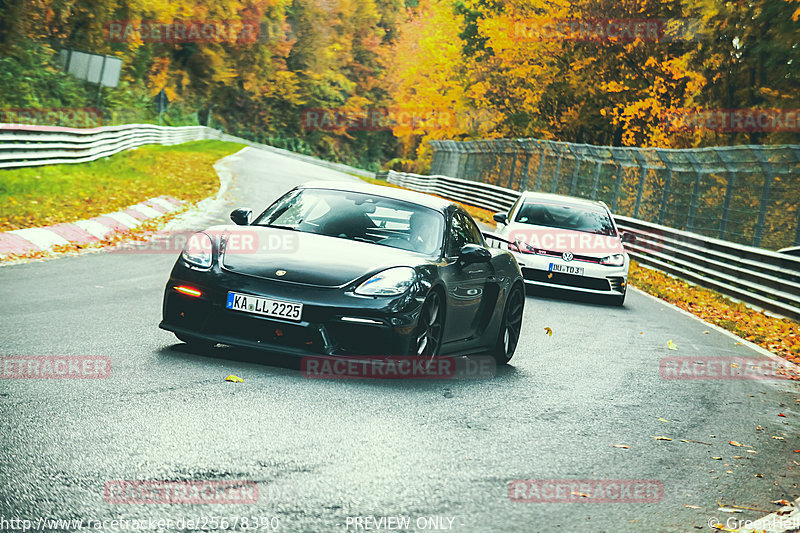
[324,452]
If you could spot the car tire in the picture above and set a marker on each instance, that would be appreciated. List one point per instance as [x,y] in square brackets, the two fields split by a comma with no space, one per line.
[195,342]
[510,327]
[430,327]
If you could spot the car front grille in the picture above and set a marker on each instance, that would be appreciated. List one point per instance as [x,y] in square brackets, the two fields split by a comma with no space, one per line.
[232,324]
[359,339]
[576,257]
[570,280]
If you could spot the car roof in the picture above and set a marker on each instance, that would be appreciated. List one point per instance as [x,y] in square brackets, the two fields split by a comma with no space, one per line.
[425,200]
[529,195]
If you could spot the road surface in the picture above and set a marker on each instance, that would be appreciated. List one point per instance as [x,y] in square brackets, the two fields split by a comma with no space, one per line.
[325,452]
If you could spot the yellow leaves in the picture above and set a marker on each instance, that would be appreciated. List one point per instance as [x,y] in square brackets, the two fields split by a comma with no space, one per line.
[548,332]
[671,345]
[426,59]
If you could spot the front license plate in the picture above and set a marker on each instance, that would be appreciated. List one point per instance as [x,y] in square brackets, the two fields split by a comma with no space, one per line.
[264,306]
[566,269]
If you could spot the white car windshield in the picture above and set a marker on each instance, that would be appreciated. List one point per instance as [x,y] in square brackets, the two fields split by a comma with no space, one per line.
[565,216]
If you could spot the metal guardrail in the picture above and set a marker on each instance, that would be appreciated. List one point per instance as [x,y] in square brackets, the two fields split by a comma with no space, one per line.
[474,193]
[746,194]
[27,146]
[767,279]
[23,145]
[770,280]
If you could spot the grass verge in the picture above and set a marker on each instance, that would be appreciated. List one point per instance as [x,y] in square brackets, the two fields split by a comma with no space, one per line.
[38,196]
[778,335]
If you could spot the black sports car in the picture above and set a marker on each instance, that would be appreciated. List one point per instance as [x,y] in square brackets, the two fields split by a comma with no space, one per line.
[348,269]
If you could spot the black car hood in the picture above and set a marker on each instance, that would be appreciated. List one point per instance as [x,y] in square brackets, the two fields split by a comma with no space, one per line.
[306,258]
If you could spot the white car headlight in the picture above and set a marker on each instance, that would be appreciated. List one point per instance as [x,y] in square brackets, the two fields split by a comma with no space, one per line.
[616,260]
[391,282]
[199,250]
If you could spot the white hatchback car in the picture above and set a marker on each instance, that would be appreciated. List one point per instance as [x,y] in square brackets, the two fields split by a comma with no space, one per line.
[567,243]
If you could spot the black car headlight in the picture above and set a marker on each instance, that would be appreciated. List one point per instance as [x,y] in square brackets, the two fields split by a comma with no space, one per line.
[390,282]
[616,260]
[199,250]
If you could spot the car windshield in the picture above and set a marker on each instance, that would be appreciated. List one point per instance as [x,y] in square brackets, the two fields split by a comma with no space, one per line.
[573,217]
[360,217]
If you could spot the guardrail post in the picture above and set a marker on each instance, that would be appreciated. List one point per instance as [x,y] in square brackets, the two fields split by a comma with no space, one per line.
[554,188]
[662,209]
[475,160]
[693,203]
[726,204]
[513,169]
[457,163]
[596,183]
[797,229]
[447,162]
[640,188]
[574,183]
[523,182]
[436,156]
[481,162]
[762,208]
[491,162]
[695,192]
[541,168]
[463,157]
[617,188]
[796,153]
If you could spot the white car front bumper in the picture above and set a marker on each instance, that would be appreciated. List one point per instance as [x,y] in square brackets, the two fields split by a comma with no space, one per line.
[596,278]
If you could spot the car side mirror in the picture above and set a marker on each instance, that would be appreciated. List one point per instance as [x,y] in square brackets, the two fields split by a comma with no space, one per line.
[628,237]
[472,253]
[500,218]
[241,216]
